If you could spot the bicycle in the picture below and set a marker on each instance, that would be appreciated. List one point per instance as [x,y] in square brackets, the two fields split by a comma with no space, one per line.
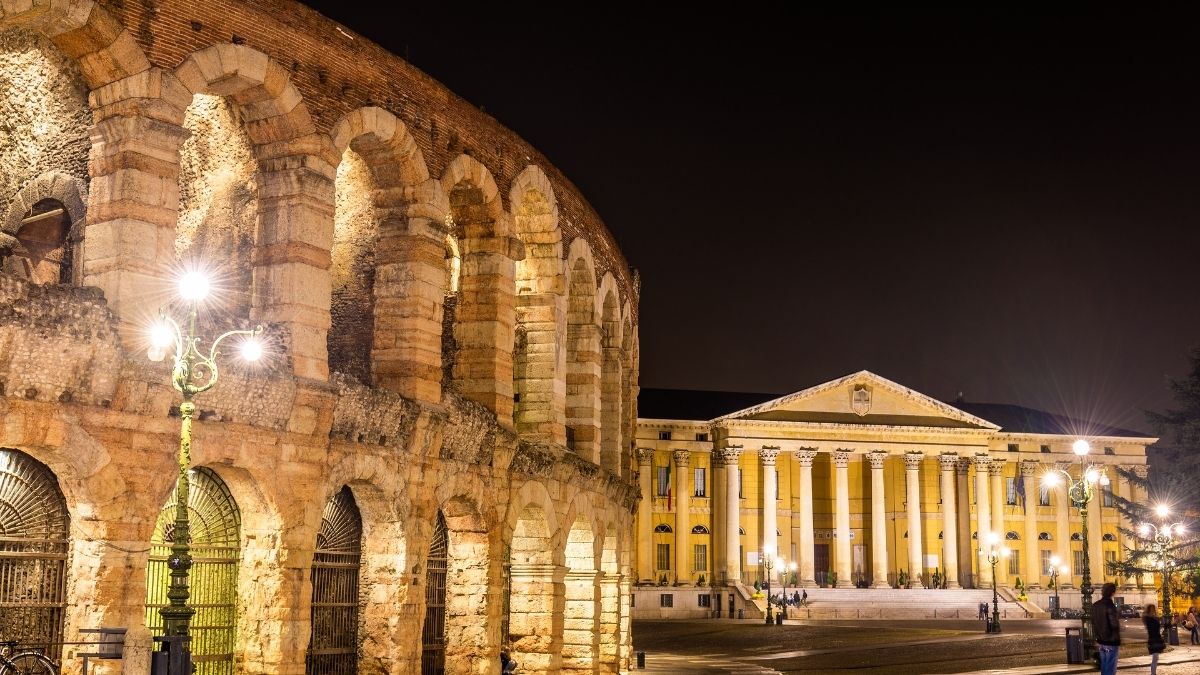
[24,663]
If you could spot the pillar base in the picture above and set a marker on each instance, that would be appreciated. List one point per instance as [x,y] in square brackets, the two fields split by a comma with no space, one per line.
[882,583]
[952,585]
[808,583]
[844,583]
[916,585]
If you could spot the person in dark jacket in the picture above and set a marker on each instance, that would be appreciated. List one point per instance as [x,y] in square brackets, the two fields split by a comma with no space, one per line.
[1154,638]
[1106,627]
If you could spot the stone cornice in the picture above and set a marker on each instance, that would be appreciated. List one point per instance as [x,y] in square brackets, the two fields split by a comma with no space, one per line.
[792,427]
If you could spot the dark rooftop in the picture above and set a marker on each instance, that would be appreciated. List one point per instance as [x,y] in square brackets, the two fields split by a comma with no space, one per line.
[687,404]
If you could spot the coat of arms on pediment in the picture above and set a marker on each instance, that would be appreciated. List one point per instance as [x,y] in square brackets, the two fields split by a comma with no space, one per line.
[860,399]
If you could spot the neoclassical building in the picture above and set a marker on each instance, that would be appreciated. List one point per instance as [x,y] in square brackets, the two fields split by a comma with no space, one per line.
[856,481]
[433,462]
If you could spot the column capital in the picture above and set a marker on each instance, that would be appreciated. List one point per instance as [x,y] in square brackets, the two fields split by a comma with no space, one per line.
[877,458]
[983,463]
[841,458]
[730,454]
[948,460]
[805,456]
[912,460]
[964,466]
[767,454]
[1030,467]
[683,457]
[645,455]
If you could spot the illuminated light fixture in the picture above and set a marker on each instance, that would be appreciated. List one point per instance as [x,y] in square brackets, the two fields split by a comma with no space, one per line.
[193,286]
[252,349]
[1162,511]
[1081,447]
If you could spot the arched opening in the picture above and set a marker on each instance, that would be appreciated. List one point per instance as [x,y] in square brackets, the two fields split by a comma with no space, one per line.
[534,627]
[41,251]
[610,386]
[465,598]
[628,415]
[610,602]
[433,630]
[333,646]
[218,200]
[581,626]
[352,269]
[215,526]
[453,271]
[583,363]
[34,532]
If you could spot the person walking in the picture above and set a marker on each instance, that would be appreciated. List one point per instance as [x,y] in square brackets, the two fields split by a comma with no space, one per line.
[1154,638]
[1192,623]
[804,599]
[1106,627]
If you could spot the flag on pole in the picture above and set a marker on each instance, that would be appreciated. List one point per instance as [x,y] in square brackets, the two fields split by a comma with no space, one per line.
[1020,489]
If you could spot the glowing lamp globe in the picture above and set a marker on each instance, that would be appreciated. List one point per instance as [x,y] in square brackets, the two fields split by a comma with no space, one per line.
[1104,480]
[1162,511]
[1092,475]
[252,349]
[1179,529]
[1054,560]
[1051,479]
[1063,569]
[193,286]
[1144,530]
[1081,447]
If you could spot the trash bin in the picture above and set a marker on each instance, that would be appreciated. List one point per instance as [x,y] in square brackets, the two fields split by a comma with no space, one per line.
[741,613]
[641,660]
[779,619]
[1173,635]
[1074,646]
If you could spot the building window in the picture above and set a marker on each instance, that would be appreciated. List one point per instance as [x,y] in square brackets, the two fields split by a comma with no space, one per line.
[664,435]
[1077,563]
[705,600]
[700,481]
[740,495]
[1046,448]
[1106,495]
[1110,559]
[1044,536]
[664,481]
[1014,447]
[662,528]
[666,600]
[1012,535]
[633,599]
[1043,495]
[699,529]
[1109,451]
[664,556]
[1010,491]
[702,437]
[1045,560]
[699,557]
[1075,536]
[1014,562]
[1109,536]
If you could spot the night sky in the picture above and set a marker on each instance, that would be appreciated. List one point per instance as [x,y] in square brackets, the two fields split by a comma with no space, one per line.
[996,205]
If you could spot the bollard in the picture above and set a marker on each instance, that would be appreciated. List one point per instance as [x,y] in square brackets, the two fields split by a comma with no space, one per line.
[741,613]
[641,660]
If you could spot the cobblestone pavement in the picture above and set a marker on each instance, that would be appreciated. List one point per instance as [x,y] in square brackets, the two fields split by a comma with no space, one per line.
[872,647]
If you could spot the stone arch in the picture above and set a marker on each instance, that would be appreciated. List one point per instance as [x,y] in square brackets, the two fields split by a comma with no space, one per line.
[382,257]
[294,197]
[583,353]
[334,639]
[628,393]
[581,624]
[610,599]
[481,365]
[611,436]
[470,646]
[44,226]
[538,357]
[535,602]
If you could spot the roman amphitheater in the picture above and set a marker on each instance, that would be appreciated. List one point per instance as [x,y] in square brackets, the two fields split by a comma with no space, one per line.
[433,463]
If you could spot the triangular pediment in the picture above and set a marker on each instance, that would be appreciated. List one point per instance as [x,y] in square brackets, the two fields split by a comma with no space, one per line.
[862,398]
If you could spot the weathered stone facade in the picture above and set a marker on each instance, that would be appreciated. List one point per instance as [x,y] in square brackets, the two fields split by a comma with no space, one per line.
[344,200]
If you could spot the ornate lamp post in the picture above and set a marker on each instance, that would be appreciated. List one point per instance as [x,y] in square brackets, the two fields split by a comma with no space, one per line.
[1081,492]
[193,372]
[994,553]
[1054,571]
[768,555]
[1162,536]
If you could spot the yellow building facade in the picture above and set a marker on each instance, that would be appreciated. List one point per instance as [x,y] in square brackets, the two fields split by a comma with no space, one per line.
[864,482]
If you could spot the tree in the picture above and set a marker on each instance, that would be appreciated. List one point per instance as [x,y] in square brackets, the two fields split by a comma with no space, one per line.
[1173,480]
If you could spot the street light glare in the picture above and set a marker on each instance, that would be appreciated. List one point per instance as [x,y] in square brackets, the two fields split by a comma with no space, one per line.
[193,286]
[1162,511]
[1051,479]
[1144,530]
[1054,560]
[252,349]
[993,538]
[1081,447]
[161,335]
[1092,475]
[1179,528]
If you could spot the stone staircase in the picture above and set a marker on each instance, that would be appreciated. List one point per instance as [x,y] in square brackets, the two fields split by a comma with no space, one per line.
[892,603]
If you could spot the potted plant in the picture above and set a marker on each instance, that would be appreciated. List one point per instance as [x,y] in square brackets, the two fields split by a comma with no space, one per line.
[701,580]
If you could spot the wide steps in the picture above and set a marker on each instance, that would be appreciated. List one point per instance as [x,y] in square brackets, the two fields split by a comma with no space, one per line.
[892,603]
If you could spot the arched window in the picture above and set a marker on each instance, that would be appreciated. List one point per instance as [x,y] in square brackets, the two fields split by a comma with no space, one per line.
[699,529]
[741,530]
[39,250]
[662,528]
[1011,535]
[1045,536]
[974,535]
[433,632]
[1075,536]
[1109,536]
[333,646]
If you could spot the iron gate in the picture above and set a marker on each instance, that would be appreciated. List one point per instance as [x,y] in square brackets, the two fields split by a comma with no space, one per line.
[34,531]
[433,632]
[333,647]
[216,545]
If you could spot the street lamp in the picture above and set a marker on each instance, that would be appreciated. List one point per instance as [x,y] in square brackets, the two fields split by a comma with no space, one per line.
[768,555]
[1081,492]
[1054,571]
[1163,537]
[192,373]
[994,553]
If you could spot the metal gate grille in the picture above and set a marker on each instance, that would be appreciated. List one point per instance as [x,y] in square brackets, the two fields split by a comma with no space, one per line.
[34,529]
[433,633]
[333,647]
[216,544]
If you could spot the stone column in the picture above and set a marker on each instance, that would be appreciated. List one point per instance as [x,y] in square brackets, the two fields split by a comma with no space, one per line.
[879,557]
[1123,541]
[645,544]
[807,553]
[1139,493]
[1062,530]
[912,473]
[947,462]
[733,562]
[841,462]
[983,516]
[720,504]
[967,560]
[1095,542]
[770,522]
[1032,567]
[999,501]
[683,517]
